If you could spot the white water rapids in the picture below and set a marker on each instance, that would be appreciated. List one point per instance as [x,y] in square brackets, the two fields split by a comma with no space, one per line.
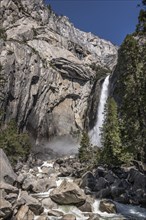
[95,133]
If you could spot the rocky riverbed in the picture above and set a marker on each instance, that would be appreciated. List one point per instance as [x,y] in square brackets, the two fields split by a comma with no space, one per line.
[63,189]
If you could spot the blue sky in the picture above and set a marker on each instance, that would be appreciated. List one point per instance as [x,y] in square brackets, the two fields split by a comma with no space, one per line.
[108,19]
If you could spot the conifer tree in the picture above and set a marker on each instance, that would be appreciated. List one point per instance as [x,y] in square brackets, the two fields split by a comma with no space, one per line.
[141,27]
[111,135]
[84,151]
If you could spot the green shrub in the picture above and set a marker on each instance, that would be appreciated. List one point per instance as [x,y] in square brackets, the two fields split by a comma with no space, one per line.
[14,144]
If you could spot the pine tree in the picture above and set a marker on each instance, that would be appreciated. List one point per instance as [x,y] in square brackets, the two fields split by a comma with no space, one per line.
[111,141]
[84,150]
[14,144]
[141,26]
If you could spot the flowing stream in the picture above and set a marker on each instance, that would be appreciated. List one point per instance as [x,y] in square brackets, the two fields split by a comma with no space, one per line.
[95,133]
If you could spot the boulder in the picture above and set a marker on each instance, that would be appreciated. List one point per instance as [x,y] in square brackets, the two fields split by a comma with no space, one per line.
[120,172]
[100,172]
[49,204]
[104,193]
[110,177]
[8,188]
[12,197]
[43,185]
[68,193]
[22,213]
[101,183]
[93,216]
[138,179]
[107,206]
[88,191]
[123,198]
[29,182]
[88,180]
[87,206]
[117,191]
[5,209]
[33,204]
[20,178]
[7,174]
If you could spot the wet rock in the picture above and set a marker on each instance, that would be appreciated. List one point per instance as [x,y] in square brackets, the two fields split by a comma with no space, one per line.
[93,216]
[68,193]
[7,174]
[104,193]
[107,206]
[140,196]
[116,191]
[88,180]
[123,198]
[101,183]
[68,217]
[87,206]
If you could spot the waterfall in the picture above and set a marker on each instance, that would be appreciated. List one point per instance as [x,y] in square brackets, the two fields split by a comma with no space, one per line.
[94,134]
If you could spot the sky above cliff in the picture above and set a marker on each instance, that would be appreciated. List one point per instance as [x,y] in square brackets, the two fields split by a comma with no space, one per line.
[108,19]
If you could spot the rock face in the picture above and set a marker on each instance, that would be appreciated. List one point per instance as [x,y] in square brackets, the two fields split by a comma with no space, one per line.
[50,67]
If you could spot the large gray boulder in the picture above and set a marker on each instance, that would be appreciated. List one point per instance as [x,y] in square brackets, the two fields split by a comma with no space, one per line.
[7,174]
[68,193]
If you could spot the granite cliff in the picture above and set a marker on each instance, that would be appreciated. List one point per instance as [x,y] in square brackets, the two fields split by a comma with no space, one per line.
[52,70]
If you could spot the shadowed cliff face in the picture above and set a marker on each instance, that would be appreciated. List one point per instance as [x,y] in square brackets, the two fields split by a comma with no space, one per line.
[48,67]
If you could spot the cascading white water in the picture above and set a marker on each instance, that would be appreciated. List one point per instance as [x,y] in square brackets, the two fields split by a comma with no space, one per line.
[94,134]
